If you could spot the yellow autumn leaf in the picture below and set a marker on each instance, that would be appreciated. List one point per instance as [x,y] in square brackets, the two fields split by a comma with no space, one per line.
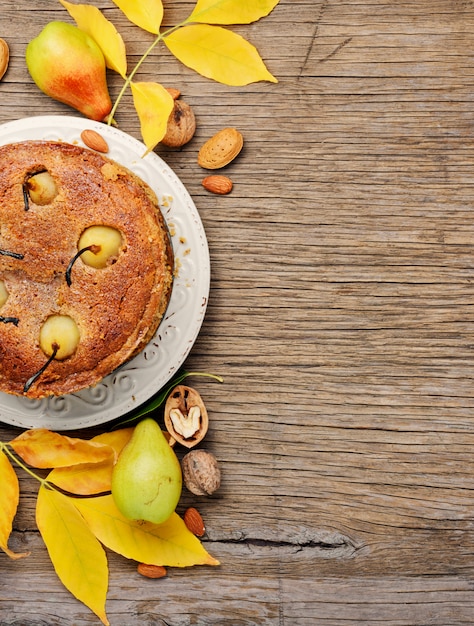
[116,439]
[91,478]
[43,448]
[85,479]
[231,11]
[77,556]
[170,543]
[218,53]
[90,20]
[9,498]
[148,14]
[153,105]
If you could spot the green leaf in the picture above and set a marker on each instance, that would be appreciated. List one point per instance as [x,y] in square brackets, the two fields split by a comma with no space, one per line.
[219,54]
[153,105]
[231,11]
[170,543]
[148,14]
[90,20]
[77,556]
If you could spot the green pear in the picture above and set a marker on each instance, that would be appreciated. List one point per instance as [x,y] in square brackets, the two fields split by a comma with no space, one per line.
[147,480]
[68,65]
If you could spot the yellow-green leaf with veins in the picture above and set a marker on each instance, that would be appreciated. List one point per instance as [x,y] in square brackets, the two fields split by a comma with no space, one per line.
[148,14]
[170,543]
[77,556]
[231,11]
[153,105]
[90,20]
[218,53]
[9,498]
[43,448]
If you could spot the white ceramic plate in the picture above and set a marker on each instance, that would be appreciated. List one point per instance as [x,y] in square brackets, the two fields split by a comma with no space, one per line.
[139,379]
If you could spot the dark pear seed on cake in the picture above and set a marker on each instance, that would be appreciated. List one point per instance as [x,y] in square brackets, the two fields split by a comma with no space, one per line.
[41,188]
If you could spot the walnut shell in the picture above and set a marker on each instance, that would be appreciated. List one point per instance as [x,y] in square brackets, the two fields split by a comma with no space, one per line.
[201,473]
[181,125]
[185,416]
[4,57]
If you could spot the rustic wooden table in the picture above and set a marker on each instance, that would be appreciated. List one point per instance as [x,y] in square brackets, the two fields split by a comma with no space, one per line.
[340,317]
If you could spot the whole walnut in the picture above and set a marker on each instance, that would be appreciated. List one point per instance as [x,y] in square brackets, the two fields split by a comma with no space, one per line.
[201,473]
[181,125]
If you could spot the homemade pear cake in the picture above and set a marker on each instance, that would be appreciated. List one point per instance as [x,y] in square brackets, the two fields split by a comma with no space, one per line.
[86,267]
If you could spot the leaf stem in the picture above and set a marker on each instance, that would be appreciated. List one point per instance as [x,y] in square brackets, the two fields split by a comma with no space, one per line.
[206,374]
[129,78]
[159,399]
[5,448]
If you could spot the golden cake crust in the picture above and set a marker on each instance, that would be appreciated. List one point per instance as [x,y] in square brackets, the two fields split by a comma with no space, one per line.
[117,308]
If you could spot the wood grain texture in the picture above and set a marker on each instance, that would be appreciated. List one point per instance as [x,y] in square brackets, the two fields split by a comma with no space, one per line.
[340,316]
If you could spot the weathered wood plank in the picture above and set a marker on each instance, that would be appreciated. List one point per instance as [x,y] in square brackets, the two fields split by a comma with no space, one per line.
[340,318]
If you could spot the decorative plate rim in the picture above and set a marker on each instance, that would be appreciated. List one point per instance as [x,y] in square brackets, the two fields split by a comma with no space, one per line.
[138,380]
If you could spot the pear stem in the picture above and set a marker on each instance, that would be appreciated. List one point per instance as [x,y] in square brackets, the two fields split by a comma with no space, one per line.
[9,320]
[92,248]
[214,376]
[35,376]
[14,255]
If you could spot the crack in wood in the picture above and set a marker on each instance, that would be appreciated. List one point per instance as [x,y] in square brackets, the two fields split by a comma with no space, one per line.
[344,544]
[331,54]
[343,44]
[322,9]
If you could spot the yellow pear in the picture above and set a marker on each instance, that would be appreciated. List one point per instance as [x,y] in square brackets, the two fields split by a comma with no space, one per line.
[68,65]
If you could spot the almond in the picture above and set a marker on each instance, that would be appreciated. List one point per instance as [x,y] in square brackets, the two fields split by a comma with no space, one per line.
[194,522]
[220,149]
[217,184]
[94,141]
[4,57]
[151,571]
